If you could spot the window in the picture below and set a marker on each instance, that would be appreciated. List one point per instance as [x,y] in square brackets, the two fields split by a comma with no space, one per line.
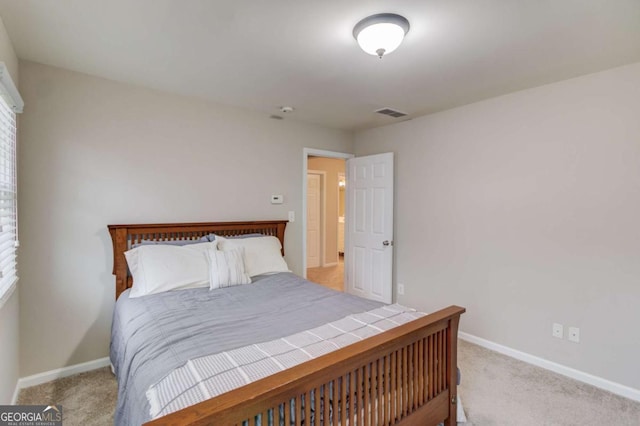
[10,103]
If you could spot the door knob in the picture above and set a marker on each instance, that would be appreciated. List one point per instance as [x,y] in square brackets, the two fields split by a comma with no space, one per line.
[387,243]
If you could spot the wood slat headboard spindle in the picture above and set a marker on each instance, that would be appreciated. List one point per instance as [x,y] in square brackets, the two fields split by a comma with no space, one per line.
[124,236]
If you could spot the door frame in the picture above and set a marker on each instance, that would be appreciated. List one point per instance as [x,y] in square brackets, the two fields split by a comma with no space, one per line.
[306,152]
[343,176]
[323,216]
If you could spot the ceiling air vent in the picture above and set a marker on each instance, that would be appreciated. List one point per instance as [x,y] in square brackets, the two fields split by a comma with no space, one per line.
[391,112]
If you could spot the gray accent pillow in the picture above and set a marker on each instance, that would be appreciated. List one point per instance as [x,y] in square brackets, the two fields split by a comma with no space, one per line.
[212,237]
[171,242]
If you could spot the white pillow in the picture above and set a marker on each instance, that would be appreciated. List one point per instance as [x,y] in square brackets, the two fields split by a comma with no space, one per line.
[158,268]
[227,268]
[262,255]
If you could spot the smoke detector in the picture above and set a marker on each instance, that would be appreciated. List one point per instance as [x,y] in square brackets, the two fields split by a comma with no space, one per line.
[286,109]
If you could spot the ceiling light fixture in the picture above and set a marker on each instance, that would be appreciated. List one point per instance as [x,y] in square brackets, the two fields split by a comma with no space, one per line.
[381,34]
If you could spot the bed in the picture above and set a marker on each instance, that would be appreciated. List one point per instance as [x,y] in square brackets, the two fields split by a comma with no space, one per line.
[404,375]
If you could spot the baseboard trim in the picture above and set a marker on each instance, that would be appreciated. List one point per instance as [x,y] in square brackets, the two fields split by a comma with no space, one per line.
[16,392]
[327,265]
[599,382]
[47,376]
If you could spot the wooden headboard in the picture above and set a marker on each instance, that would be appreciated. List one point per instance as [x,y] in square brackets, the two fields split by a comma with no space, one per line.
[124,236]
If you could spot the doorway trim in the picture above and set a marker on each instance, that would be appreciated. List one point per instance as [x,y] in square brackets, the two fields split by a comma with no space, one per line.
[306,152]
[344,215]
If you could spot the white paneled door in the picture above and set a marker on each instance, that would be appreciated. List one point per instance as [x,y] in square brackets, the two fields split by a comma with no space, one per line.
[370,227]
[313,220]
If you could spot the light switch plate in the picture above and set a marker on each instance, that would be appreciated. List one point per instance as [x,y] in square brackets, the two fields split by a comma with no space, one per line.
[277,199]
[400,289]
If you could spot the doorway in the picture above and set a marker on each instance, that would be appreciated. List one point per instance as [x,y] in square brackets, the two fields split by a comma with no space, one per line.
[324,217]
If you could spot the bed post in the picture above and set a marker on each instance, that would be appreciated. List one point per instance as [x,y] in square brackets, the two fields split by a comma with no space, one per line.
[280,234]
[452,370]
[119,237]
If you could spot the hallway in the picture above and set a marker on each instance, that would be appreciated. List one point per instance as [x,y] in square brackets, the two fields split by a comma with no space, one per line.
[331,277]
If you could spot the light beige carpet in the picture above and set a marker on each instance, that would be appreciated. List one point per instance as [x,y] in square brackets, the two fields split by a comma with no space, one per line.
[496,391]
[87,399]
[331,276]
[499,390]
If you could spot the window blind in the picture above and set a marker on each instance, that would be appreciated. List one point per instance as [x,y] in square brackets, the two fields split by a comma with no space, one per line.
[8,199]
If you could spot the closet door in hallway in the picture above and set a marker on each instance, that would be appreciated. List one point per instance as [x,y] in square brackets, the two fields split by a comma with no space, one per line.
[313,220]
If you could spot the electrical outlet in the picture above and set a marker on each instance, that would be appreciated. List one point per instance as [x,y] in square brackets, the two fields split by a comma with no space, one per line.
[558,330]
[292,216]
[401,289]
[574,334]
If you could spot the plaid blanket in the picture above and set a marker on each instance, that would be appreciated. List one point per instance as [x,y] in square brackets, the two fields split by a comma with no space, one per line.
[209,376]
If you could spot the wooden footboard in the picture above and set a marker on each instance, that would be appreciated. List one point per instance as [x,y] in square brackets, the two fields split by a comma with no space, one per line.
[405,376]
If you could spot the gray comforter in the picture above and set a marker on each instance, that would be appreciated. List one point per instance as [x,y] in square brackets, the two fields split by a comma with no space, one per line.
[155,334]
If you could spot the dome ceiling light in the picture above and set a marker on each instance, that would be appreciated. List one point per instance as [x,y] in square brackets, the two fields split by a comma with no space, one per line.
[381,34]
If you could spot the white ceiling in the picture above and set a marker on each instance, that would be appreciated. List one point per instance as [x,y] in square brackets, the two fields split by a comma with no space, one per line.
[263,54]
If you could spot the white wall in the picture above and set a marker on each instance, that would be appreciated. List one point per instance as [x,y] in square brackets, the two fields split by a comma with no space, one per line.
[9,337]
[97,152]
[525,209]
